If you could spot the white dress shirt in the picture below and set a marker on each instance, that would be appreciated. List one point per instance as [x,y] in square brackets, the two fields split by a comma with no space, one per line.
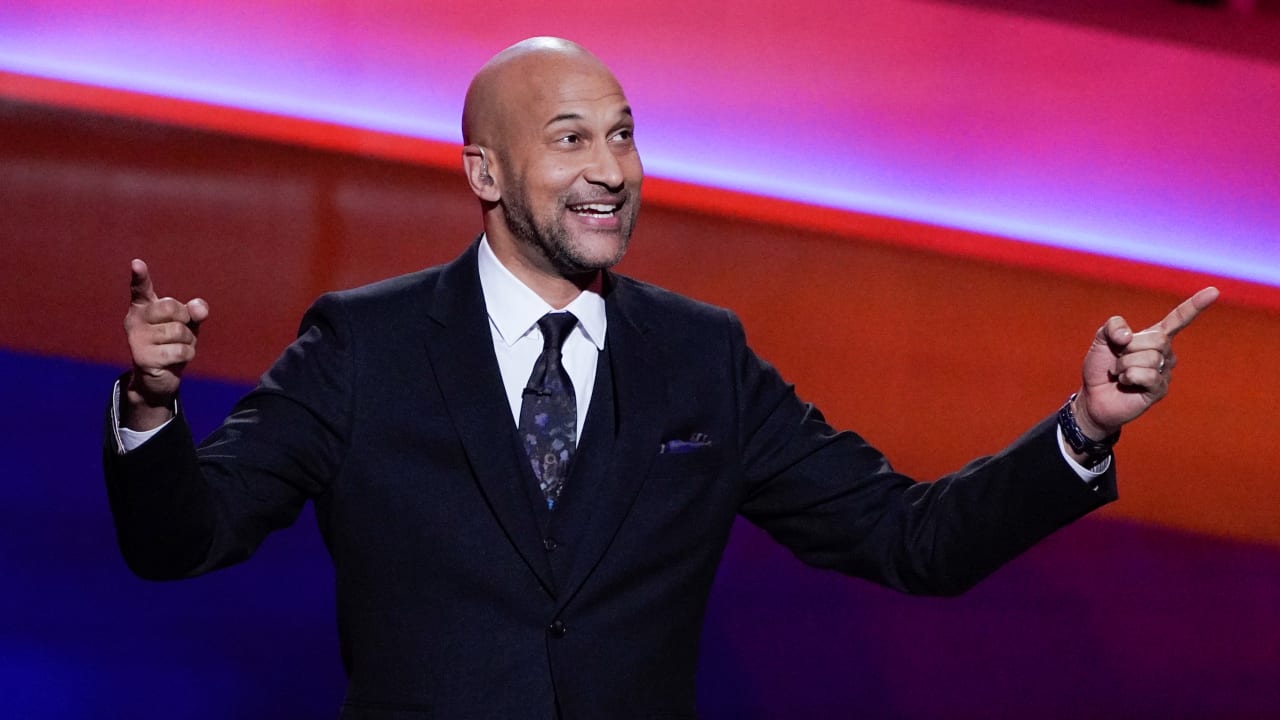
[514,311]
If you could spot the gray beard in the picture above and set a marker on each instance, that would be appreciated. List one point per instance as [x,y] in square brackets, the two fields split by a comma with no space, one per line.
[551,239]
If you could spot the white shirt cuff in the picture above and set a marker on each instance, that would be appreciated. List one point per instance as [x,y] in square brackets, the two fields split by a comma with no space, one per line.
[127,439]
[1086,474]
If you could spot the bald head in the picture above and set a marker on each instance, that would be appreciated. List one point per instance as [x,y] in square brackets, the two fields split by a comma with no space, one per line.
[550,153]
[518,76]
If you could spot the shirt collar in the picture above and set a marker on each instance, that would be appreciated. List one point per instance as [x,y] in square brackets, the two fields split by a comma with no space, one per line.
[514,309]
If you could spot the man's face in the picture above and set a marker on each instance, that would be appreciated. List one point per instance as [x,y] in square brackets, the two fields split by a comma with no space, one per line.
[572,175]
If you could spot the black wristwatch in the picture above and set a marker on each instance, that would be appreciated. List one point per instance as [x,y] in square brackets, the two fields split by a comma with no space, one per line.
[1095,450]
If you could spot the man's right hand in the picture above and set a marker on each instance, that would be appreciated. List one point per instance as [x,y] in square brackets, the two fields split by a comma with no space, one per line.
[162,339]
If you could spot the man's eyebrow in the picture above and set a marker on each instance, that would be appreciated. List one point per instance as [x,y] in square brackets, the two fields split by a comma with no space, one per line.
[626,110]
[562,117]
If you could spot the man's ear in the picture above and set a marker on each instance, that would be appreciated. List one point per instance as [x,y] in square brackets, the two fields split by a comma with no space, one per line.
[475,162]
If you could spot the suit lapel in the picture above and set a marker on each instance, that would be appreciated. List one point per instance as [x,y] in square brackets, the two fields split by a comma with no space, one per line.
[640,387]
[461,354]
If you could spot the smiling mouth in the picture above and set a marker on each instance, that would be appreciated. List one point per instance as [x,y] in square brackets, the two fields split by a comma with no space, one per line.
[596,210]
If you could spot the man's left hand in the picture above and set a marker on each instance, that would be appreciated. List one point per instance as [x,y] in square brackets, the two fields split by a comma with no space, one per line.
[1126,372]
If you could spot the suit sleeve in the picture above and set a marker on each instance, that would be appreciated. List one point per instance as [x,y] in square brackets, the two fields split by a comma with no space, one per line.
[836,502]
[182,510]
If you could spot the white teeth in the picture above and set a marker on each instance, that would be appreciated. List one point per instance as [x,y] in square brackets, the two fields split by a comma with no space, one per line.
[595,208]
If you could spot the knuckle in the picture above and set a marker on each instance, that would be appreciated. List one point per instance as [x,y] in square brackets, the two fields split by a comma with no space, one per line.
[178,354]
[171,332]
[165,310]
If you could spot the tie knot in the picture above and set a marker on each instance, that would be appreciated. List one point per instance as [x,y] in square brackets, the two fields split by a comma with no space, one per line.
[555,329]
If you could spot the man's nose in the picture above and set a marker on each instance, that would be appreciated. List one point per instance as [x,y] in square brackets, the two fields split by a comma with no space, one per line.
[605,168]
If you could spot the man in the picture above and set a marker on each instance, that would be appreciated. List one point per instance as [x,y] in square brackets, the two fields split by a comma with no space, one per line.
[525,467]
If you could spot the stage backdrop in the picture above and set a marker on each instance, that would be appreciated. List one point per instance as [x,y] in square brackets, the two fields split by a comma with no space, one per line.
[937,343]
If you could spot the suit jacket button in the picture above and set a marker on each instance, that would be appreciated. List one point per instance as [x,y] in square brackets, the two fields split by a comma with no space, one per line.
[557,629]
[550,544]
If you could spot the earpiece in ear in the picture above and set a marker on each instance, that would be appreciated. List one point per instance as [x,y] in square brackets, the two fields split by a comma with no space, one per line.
[484,167]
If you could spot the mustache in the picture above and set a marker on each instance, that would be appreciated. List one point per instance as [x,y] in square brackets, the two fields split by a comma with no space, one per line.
[603,198]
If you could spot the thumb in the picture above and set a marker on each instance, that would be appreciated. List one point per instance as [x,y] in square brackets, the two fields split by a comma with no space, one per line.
[198,311]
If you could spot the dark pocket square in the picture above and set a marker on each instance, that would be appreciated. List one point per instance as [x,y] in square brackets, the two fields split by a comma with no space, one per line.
[696,441]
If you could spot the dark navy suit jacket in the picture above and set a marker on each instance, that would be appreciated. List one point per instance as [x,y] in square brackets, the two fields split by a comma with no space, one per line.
[458,597]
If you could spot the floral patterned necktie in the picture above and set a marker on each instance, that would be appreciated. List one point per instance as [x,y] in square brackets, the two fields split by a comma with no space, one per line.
[549,410]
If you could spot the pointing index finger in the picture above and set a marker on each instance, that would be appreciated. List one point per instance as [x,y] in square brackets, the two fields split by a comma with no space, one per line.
[1181,316]
[140,289]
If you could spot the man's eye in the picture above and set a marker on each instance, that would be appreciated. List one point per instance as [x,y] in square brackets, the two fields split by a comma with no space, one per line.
[570,139]
[623,135]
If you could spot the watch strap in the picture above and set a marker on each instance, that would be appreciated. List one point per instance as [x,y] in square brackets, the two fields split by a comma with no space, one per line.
[1095,450]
